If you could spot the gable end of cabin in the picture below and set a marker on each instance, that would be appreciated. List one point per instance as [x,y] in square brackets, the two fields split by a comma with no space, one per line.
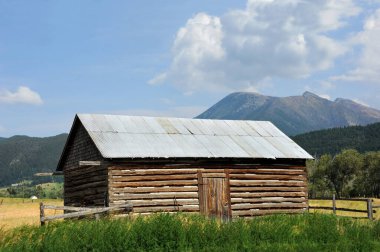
[84,185]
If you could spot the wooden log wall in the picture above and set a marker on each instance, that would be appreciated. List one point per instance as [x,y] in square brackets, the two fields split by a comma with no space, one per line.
[255,190]
[153,188]
[262,190]
[85,186]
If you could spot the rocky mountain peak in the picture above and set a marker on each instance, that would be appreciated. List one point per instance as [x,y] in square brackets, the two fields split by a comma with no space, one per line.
[309,94]
[293,114]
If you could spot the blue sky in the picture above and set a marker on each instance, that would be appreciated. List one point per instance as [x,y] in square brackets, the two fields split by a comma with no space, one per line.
[177,58]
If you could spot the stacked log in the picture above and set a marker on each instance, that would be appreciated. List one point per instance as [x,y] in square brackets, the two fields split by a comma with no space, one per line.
[254,189]
[154,189]
[264,190]
[85,186]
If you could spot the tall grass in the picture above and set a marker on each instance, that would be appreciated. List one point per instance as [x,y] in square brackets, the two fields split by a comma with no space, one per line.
[164,232]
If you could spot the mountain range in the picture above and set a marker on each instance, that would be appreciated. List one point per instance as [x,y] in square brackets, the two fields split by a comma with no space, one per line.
[22,156]
[294,114]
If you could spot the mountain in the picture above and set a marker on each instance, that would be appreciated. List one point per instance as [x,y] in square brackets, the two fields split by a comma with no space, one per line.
[332,141]
[22,156]
[294,114]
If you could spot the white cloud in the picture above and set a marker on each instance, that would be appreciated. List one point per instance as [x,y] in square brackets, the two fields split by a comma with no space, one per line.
[331,15]
[368,64]
[327,85]
[159,78]
[360,102]
[21,95]
[267,39]
[259,86]
[197,46]
[325,96]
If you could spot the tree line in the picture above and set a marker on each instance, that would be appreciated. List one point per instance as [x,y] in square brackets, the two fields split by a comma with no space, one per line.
[347,174]
[333,141]
[27,189]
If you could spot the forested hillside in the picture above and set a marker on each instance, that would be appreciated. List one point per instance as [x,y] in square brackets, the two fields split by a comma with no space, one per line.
[332,141]
[22,156]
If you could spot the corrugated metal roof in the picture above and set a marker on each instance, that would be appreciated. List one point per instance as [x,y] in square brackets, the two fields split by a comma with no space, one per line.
[119,136]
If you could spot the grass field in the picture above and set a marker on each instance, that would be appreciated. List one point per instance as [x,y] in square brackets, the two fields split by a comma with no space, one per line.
[180,232]
[16,212]
[346,204]
[19,231]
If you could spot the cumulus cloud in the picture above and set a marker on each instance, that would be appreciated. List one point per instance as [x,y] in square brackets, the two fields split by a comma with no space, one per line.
[21,95]
[267,39]
[196,47]
[368,64]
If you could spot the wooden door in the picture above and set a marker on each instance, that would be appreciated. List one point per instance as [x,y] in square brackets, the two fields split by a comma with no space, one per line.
[214,198]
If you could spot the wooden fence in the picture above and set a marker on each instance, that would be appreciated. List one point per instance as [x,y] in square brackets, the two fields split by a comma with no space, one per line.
[79,211]
[85,211]
[370,210]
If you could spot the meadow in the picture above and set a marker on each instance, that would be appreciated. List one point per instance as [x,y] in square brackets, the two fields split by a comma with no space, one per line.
[181,232]
[360,205]
[19,231]
[15,212]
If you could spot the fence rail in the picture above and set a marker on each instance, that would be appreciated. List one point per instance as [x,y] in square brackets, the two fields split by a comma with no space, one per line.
[348,199]
[369,211]
[79,211]
[339,209]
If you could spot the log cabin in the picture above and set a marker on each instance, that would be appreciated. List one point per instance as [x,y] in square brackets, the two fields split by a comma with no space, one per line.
[221,168]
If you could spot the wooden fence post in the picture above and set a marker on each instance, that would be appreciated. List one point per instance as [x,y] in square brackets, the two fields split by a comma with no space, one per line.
[334,204]
[369,209]
[42,214]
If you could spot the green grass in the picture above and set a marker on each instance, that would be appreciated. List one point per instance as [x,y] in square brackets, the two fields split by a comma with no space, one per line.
[44,190]
[164,232]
